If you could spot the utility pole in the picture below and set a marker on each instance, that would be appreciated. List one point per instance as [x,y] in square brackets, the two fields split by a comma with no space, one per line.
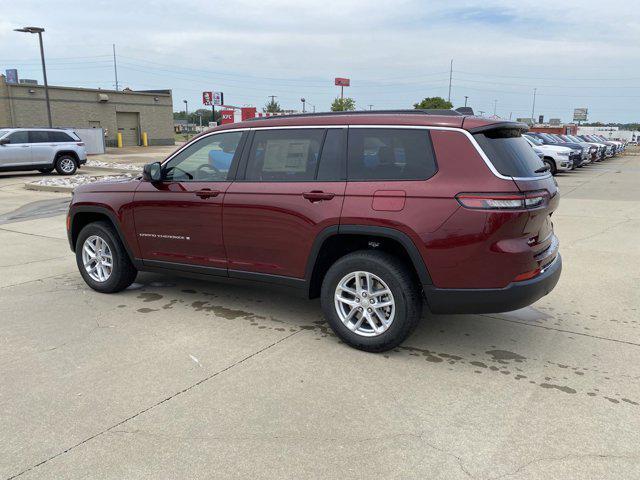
[186,114]
[370,107]
[533,108]
[39,31]
[115,65]
[495,106]
[450,78]
[466,97]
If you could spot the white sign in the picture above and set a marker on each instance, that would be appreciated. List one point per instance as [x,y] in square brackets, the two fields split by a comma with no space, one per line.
[218,99]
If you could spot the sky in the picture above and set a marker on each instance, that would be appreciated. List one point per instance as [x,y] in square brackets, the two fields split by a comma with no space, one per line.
[574,53]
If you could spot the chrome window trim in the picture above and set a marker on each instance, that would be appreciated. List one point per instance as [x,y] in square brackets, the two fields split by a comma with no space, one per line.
[466,133]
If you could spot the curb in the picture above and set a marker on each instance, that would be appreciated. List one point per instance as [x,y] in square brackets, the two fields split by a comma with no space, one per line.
[48,188]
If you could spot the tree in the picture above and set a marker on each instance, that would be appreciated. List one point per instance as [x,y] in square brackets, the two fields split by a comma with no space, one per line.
[343,104]
[433,102]
[272,107]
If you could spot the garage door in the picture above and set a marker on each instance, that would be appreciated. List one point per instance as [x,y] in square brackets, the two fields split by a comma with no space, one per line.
[128,126]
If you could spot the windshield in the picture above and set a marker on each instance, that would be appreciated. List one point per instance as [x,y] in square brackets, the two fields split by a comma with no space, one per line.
[510,153]
[534,140]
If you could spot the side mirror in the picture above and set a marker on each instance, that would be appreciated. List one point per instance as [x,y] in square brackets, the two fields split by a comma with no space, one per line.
[4,141]
[152,172]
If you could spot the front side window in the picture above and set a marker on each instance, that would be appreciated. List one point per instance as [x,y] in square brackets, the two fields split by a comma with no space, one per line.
[390,154]
[19,137]
[207,160]
[287,155]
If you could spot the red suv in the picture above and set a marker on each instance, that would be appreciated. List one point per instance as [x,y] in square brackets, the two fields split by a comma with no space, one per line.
[375,212]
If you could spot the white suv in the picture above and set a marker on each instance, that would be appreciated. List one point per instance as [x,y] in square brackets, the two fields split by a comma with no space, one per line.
[556,157]
[41,149]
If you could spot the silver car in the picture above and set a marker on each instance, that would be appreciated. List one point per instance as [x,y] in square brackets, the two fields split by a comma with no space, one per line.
[42,149]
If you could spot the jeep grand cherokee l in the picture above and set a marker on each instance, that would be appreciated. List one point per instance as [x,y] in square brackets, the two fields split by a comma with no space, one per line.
[374,212]
[43,149]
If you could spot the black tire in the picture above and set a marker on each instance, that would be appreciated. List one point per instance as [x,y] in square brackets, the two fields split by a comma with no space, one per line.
[552,165]
[404,287]
[46,171]
[123,272]
[62,162]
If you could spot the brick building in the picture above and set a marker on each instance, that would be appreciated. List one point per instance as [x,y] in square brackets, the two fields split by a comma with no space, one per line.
[128,112]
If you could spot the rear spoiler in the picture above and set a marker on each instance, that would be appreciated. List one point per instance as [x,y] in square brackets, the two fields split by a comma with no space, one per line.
[523,127]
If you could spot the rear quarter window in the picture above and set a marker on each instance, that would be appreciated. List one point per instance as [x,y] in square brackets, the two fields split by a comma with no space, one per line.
[510,153]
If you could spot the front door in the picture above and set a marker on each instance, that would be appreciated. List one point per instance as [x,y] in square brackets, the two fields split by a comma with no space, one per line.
[17,152]
[292,187]
[179,219]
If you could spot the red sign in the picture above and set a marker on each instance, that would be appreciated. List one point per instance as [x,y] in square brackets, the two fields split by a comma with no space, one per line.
[227,116]
[343,82]
[207,98]
[248,112]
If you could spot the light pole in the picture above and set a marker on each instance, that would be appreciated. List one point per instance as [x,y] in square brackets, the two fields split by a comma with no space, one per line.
[39,31]
[495,107]
[533,107]
[466,97]
[303,105]
[186,114]
[370,106]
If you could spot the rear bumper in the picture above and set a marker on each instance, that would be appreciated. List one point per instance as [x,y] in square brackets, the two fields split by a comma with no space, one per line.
[493,300]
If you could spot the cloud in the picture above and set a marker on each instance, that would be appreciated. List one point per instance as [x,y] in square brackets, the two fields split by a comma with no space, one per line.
[395,52]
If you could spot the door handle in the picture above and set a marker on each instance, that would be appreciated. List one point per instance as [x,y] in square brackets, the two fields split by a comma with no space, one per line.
[318,196]
[207,193]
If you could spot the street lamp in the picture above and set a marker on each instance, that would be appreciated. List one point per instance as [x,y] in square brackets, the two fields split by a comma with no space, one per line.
[186,114]
[303,106]
[466,97]
[39,31]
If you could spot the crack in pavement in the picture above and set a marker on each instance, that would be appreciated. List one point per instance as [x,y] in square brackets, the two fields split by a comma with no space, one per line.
[145,410]
[33,234]
[597,337]
[563,458]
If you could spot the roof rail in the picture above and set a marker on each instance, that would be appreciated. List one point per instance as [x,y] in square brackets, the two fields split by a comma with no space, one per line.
[414,111]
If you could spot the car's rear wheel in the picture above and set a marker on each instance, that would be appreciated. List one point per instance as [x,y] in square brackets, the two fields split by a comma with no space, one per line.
[45,170]
[370,300]
[102,259]
[66,165]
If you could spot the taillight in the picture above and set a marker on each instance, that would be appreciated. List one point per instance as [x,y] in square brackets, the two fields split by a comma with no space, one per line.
[503,201]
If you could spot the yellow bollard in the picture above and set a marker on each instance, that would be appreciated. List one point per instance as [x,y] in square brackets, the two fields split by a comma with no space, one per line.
[119,136]
[145,141]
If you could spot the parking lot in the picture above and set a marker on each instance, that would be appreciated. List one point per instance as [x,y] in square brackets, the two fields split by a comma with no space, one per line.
[177,378]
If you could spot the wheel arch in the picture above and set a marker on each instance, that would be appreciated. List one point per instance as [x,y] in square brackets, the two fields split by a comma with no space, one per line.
[336,241]
[70,153]
[83,215]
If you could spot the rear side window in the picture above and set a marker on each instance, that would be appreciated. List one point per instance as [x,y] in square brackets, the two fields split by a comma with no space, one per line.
[332,158]
[38,136]
[287,155]
[59,137]
[509,153]
[390,154]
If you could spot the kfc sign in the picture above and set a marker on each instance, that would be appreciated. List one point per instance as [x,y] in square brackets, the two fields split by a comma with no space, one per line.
[228,116]
[342,82]
[213,98]
[207,97]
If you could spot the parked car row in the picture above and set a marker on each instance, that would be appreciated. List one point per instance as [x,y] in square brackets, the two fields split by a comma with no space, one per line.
[42,149]
[562,153]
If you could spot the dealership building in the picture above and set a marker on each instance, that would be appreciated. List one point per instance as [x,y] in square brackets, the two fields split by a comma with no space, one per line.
[128,112]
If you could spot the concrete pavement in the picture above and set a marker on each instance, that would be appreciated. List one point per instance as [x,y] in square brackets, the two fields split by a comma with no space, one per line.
[176,378]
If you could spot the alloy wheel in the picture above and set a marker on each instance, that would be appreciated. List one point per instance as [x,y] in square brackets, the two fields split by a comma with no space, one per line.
[97,258]
[365,304]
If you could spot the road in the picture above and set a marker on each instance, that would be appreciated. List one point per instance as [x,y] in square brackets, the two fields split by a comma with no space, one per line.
[176,378]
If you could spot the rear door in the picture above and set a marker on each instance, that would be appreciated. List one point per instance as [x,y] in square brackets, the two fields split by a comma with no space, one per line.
[291,186]
[17,152]
[43,148]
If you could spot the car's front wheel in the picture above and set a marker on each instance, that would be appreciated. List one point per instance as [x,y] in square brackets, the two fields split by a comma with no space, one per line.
[66,165]
[552,165]
[102,259]
[371,300]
